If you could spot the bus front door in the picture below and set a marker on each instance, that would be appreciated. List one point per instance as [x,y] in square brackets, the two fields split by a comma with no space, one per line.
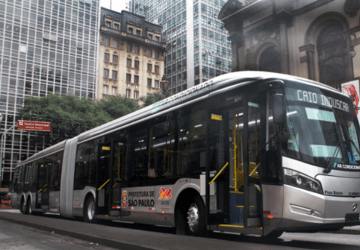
[233,191]
[108,178]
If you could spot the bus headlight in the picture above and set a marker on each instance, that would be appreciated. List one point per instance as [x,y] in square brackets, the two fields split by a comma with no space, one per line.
[296,179]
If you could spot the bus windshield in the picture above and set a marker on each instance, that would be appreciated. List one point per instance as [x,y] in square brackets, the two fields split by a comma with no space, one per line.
[323,128]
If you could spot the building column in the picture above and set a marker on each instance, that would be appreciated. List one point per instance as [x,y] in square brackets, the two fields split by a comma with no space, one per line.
[310,55]
[284,49]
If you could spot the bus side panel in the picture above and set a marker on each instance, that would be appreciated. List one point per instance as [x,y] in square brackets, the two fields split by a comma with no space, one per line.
[67,178]
[79,200]
[273,200]
[54,199]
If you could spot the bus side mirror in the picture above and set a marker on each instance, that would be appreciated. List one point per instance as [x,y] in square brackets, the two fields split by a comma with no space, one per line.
[279,115]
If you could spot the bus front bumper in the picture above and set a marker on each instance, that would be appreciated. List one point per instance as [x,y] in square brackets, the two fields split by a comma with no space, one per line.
[304,210]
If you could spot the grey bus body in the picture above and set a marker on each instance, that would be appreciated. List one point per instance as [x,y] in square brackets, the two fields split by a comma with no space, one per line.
[267,185]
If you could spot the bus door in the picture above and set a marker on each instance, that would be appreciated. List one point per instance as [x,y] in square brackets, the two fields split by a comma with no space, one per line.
[234,193]
[217,170]
[118,148]
[103,178]
[46,169]
[109,177]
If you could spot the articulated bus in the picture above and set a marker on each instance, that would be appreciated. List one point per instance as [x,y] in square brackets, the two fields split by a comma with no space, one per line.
[247,152]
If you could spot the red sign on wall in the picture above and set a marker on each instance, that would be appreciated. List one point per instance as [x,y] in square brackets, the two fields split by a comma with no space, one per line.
[34,125]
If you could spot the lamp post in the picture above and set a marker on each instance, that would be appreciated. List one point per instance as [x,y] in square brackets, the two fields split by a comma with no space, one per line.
[164,85]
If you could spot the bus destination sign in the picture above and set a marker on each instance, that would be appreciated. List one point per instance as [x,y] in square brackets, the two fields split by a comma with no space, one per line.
[34,125]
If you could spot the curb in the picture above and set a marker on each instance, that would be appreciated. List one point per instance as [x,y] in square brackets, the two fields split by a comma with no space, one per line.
[85,237]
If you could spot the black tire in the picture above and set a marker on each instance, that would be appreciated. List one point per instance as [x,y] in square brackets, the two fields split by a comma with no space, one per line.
[274,234]
[89,210]
[191,221]
[23,206]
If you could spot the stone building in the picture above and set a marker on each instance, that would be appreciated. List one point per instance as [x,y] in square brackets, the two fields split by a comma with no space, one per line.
[131,57]
[315,39]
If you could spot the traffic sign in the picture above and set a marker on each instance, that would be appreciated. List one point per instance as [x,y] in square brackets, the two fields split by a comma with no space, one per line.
[33,125]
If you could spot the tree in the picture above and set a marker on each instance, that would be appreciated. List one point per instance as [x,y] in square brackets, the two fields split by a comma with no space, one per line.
[153,98]
[117,106]
[70,116]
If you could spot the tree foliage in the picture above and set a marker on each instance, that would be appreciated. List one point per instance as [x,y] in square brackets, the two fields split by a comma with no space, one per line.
[70,116]
[153,98]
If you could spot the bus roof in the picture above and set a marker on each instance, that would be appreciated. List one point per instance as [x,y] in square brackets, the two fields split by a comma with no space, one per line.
[240,78]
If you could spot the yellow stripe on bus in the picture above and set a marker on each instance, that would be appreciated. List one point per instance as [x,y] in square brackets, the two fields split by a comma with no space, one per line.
[223,225]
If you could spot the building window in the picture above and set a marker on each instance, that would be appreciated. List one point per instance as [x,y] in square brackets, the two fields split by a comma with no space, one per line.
[332,51]
[115,59]
[156,69]
[149,82]
[136,79]
[108,24]
[128,62]
[157,38]
[149,54]
[150,36]
[136,95]
[137,49]
[128,78]
[129,47]
[157,54]
[128,93]
[105,89]
[270,60]
[113,90]
[130,30]
[149,67]
[137,64]
[114,74]
[106,73]
[114,43]
[138,32]
[156,84]
[116,26]
[106,57]
[107,41]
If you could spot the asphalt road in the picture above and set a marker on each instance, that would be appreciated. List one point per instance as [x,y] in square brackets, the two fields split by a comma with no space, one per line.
[19,231]
[18,237]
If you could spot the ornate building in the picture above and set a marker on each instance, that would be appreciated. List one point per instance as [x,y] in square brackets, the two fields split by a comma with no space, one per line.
[315,39]
[131,61]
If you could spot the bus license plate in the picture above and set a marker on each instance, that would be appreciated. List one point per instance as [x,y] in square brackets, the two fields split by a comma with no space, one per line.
[352,217]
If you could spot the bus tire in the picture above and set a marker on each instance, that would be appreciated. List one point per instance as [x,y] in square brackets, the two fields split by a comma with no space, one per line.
[195,218]
[89,212]
[274,234]
[23,206]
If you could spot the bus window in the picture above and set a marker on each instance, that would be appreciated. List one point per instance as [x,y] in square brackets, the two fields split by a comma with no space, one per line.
[192,141]
[162,144]
[140,154]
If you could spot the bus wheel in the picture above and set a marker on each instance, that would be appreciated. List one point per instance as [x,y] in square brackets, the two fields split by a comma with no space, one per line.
[23,207]
[274,234]
[195,218]
[89,212]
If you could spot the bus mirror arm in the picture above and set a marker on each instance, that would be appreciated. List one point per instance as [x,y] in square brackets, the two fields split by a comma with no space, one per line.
[279,107]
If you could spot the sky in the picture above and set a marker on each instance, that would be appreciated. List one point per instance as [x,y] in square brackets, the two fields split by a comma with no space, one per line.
[117,5]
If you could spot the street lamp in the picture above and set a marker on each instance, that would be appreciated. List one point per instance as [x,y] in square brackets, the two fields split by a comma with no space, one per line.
[164,85]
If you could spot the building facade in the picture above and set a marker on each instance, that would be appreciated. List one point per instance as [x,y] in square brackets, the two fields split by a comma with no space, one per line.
[315,39]
[46,47]
[197,44]
[131,58]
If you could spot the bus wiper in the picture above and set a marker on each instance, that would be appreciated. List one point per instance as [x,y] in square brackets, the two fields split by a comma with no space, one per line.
[330,161]
[356,148]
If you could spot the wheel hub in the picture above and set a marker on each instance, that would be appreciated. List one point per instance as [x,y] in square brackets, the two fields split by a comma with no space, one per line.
[91,210]
[193,217]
